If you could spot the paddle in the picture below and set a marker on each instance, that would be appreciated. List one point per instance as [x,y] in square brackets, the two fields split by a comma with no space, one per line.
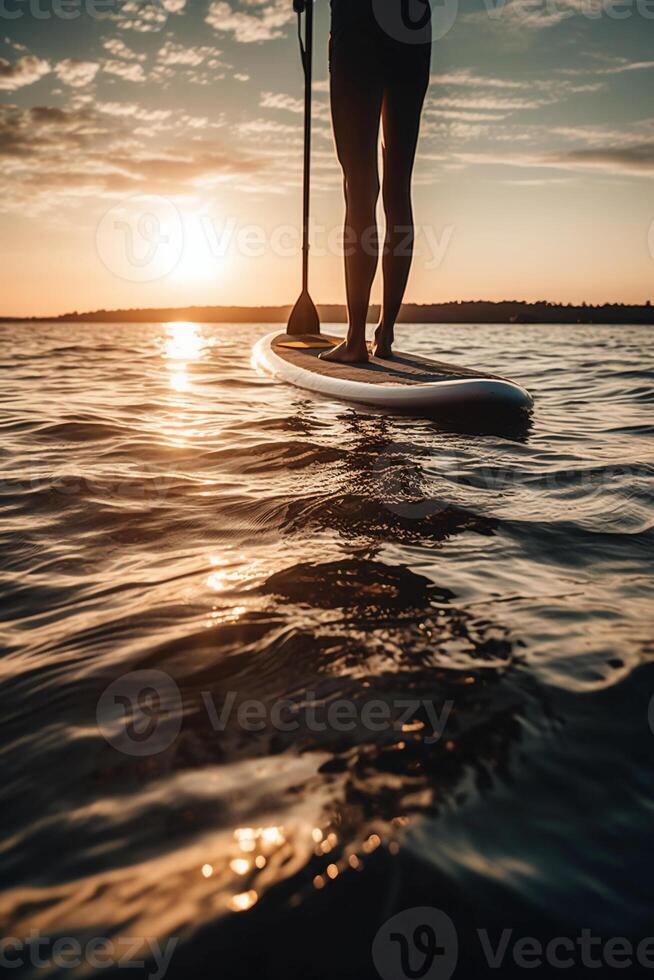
[304,318]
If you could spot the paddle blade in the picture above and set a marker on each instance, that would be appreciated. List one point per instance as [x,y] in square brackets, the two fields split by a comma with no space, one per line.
[304,318]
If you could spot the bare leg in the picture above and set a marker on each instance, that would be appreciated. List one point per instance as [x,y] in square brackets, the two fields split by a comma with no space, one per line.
[356,112]
[402,107]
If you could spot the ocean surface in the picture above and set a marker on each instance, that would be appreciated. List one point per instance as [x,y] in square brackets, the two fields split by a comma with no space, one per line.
[276,669]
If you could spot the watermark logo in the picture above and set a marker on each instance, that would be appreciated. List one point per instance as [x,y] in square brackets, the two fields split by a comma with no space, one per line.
[416,944]
[150,956]
[400,480]
[140,713]
[141,239]
[422,944]
[142,15]
[416,21]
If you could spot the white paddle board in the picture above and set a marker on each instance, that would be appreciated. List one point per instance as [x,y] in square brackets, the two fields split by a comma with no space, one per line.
[407,382]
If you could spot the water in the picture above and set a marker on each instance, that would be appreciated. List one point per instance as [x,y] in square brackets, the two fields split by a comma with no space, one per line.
[192,536]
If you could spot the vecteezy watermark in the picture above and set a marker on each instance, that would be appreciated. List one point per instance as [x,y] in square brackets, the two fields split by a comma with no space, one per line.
[413,491]
[412,22]
[144,237]
[99,953]
[341,716]
[417,944]
[416,21]
[141,239]
[285,241]
[422,944]
[544,12]
[140,714]
[650,239]
[399,477]
[149,484]
[152,13]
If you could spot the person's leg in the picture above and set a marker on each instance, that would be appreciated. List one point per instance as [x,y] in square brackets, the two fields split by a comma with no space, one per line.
[401,111]
[356,99]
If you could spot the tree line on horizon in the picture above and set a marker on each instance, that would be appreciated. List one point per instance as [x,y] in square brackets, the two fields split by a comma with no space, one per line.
[458,311]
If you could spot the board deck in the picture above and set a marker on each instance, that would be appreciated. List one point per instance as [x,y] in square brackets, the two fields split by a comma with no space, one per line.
[407,381]
[405,369]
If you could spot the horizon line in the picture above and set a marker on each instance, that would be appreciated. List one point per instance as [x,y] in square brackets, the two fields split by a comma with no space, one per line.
[338,307]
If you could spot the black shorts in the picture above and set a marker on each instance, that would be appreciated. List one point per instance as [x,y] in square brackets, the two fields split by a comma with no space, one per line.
[366,47]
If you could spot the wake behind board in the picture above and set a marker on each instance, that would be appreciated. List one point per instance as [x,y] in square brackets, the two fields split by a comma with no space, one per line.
[407,382]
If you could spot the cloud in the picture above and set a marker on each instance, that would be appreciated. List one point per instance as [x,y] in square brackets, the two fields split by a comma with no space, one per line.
[278,100]
[465,104]
[146,16]
[466,116]
[619,67]
[466,78]
[52,155]
[552,89]
[288,103]
[637,158]
[630,66]
[266,127]
[43,129]
[259,21]
[199,164]
[485,103]
[129,70]
[25,71]
[117,47]
[75,73]
[535,15]
[134,111]
[178,54]
[591,135]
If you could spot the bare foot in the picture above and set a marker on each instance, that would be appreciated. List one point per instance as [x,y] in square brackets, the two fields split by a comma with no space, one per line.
[345,354]
[383,345]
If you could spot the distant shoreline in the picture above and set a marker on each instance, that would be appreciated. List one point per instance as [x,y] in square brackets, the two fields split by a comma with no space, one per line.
[509,311]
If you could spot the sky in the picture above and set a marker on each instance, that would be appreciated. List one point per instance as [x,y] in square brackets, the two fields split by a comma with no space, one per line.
[152,155]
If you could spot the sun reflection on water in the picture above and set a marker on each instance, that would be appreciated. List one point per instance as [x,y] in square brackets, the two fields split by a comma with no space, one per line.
[183,342]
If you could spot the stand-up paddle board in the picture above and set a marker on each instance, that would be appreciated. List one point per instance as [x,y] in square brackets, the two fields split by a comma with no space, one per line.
[407,382]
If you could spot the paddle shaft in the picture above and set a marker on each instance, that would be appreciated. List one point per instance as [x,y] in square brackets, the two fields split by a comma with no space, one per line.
[307,61]
[304,318]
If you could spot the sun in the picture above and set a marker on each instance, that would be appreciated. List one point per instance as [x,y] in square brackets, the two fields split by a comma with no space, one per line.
[198,261]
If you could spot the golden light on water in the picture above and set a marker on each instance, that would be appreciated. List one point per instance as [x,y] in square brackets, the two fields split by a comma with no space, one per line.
[231,571]
[179,381]
[244,901]
[272,835]
[183,341]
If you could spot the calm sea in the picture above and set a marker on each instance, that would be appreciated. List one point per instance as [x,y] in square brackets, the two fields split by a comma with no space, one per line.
[276,669]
